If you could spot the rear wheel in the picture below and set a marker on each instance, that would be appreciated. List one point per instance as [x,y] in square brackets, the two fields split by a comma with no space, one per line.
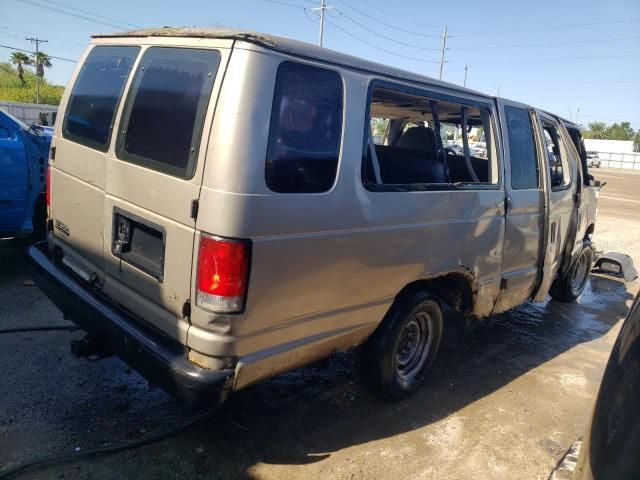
[570,286]
[397,357]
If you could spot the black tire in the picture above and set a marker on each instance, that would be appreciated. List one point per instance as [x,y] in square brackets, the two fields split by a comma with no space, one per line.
[569,287]
[396,358]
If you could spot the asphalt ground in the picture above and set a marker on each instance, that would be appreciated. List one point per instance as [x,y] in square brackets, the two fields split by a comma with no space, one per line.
[503,401]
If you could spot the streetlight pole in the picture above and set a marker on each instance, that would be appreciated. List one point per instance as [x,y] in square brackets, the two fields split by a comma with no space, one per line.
[465,76]
[37,41]
[444,46]
[323,6]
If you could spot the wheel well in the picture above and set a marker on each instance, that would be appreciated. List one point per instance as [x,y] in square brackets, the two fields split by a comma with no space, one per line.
[455,289]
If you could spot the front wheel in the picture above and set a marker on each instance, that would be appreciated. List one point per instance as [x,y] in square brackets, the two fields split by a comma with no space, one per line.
[397,357]
[569,287]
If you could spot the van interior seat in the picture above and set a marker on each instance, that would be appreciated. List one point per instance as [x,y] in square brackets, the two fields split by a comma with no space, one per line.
[413,158]
[418,138]
[459,171]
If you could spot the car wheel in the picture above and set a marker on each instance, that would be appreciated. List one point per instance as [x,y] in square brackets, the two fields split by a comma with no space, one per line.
[398,355]
[569,287]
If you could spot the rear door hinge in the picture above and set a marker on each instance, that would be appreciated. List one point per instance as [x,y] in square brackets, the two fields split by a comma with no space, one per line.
[195,205]
[186,309]
[507,203]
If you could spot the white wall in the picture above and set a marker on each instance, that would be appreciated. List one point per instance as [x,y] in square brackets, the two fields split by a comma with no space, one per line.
[613,146]
[29,112]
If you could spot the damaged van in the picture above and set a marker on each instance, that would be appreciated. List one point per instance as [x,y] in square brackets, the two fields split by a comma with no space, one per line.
[225,206]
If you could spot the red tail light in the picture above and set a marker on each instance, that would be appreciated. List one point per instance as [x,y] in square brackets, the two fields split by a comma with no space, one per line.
[223,267]
[48,194]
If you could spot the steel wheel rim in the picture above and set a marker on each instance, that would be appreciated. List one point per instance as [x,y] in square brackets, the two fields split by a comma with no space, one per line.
[580,272]
[414,346]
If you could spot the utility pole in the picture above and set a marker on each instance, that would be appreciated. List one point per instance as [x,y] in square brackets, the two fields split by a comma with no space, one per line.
[465,76]
[323,6]
[444,46]
[37,41]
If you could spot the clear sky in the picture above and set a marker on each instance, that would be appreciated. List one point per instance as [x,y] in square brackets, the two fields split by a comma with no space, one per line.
[561,55]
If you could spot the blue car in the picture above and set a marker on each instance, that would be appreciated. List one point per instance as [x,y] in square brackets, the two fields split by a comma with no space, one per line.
[24,154]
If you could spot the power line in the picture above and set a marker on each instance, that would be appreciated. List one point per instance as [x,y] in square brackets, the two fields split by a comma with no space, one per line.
[575,25]
[29,51]
[71,14]
[550,44]
[564,59]
[288,4]
[68,7]
[54,46]
[385,36]
[355,36]
[4,27]
[371,17]
[416,59]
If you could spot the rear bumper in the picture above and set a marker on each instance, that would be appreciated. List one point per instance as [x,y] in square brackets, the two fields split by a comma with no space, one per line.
[158,358]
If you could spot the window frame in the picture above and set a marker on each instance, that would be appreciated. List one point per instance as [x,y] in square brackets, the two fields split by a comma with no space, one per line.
[342,116]
[114,118]
[532,121]
[437,96]
[564,154]
[582,166]
[189,170]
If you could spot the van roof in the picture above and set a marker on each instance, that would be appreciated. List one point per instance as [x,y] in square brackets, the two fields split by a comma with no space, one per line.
[296,47]
[288,45]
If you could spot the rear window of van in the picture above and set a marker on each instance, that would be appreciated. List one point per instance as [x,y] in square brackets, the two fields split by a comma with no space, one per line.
[96,94]
[165,108]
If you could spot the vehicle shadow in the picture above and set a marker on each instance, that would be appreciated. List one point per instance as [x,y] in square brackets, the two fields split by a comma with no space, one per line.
[301,417]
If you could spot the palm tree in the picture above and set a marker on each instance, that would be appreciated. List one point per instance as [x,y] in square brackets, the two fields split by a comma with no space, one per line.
[597,129]
[19,59]
[43,61]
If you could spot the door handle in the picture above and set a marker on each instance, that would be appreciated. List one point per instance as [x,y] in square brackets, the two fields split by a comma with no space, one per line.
[6,202]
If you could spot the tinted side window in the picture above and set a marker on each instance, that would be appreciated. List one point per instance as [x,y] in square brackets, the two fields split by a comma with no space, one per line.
[524,163]
[96,94]
[164,115]
[305,131]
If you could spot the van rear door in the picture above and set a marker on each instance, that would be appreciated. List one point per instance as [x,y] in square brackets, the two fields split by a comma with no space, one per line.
[78,168]
[152,182]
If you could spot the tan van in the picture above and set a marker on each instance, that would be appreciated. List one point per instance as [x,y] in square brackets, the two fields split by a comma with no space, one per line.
[225,206]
